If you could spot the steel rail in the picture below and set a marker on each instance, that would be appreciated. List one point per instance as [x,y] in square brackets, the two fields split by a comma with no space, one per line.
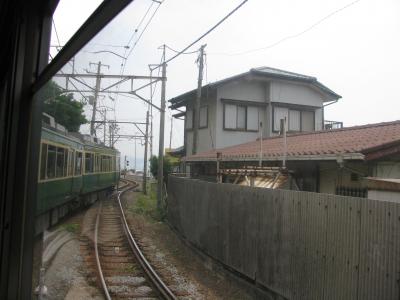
[156,280]
[96,251]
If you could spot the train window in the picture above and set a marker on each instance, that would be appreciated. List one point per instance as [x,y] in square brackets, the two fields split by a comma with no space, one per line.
[89,162]
[65,166]
[60,162]
[78,163]
[43,160]
[51,161]
[71,159]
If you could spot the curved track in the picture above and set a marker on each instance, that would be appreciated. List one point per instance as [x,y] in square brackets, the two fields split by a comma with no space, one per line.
[123,275]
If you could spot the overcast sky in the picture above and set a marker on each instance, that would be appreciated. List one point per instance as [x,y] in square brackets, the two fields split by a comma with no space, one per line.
[355,51]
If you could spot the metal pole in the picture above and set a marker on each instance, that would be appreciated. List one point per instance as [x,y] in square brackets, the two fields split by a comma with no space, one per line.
[146,141]
[135,155]
[96,94]
[151,113]
[125,167]
[284,144]
[110,138]
[198,98]
[160,173]
[105,126]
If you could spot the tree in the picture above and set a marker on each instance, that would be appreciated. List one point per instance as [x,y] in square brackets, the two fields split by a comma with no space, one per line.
[63,107]
[167,166]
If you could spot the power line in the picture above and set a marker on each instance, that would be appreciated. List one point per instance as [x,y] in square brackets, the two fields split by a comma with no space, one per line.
[55,30]
[206,33]
[176,51]
[140,23]
[147,24]
[289,36]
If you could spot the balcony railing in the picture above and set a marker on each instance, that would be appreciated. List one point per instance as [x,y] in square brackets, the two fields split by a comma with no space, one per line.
[328,125]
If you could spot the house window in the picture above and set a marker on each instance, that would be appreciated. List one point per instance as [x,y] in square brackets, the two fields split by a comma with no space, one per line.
[297,120]
[307,121]
[294,120]
[203,117]
[279,113]
[240,117]
[189,119]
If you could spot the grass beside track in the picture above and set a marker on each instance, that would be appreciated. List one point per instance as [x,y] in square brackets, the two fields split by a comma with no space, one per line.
[146,205]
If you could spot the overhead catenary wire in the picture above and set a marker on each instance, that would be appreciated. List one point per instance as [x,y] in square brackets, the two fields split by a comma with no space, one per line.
[203,35]
[292,36]
[140,23]
[143,31]
[176,51]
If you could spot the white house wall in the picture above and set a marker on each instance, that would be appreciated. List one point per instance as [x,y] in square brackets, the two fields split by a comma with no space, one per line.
[288,92]
[245,91]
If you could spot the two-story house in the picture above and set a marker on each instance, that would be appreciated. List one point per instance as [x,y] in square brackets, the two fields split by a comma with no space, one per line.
[239,109]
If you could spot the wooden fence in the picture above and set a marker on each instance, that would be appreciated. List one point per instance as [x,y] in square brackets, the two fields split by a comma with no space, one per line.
[299,245]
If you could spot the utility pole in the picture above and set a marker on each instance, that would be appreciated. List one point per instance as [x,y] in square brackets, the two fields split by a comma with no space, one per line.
[110,137]
[105,126]
[96,95]
[198,98]
[160,173]
[151,112]
[125,167]
[135,156]
[170,133]
[146,141]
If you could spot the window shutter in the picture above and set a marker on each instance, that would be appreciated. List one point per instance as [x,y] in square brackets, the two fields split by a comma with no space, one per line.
[294,120]
[307,121]
[252,118]
[241,117]
[279,113]
[230,116]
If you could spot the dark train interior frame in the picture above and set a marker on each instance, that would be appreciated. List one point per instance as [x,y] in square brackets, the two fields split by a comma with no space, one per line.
[25,28]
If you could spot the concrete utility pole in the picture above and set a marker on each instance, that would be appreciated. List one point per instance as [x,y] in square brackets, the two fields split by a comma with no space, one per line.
[170,133]
[198,98]
[96,95]
[146,142]
[160,173]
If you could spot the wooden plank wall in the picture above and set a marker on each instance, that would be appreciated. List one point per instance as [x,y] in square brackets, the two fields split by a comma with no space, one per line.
[299,245]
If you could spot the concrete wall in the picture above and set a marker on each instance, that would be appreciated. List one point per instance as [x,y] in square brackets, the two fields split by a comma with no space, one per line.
[299,245]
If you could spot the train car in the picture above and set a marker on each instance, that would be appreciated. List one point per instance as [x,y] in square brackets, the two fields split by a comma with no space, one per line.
[74,171]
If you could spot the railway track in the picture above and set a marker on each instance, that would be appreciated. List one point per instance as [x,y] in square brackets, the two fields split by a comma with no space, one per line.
[122,269]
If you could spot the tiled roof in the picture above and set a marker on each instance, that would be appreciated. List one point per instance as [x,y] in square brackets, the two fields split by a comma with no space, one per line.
[350,142]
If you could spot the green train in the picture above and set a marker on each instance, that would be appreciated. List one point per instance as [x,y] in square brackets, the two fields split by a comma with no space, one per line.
[74,171]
